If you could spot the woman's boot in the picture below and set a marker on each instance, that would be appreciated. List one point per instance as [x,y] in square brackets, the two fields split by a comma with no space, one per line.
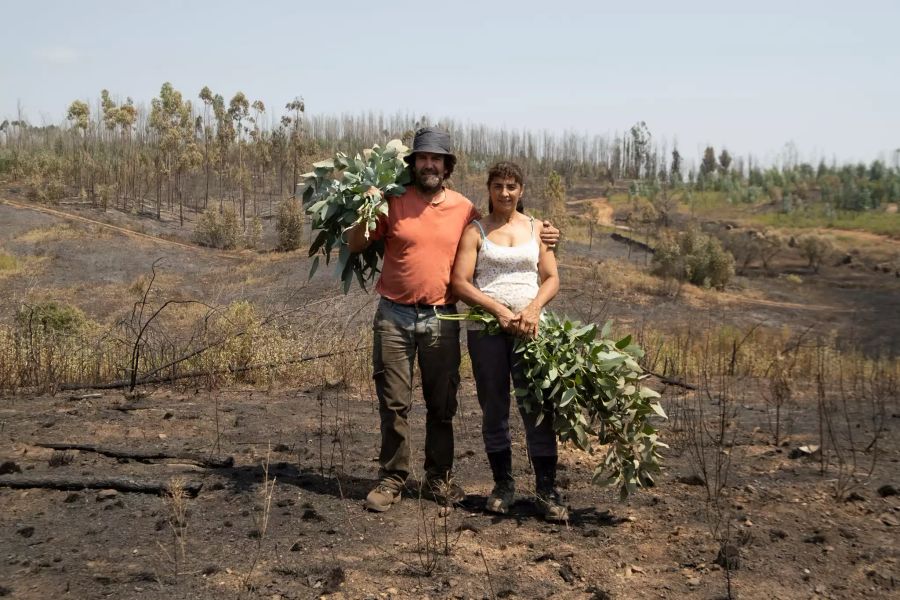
[504,493]
[548,499]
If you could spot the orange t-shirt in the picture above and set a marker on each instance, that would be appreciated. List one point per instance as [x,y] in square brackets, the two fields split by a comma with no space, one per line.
[420,241]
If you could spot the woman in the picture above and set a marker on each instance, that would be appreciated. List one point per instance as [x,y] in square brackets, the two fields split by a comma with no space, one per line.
[502,266]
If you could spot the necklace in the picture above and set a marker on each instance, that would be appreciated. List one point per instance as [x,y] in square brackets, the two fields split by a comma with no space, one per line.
[435,200]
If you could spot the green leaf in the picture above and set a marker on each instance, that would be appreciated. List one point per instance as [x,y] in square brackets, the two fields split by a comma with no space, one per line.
[659,410]
[360,279]
[584,330]
[319,241]
[316,206]
[397,146]
[343,257]
[607,328]
[624,342]
[313,267]
[567,397]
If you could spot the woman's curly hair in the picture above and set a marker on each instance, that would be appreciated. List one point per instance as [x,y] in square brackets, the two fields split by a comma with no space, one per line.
[504,170]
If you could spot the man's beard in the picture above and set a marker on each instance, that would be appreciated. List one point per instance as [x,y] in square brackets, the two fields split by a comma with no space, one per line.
[429,181]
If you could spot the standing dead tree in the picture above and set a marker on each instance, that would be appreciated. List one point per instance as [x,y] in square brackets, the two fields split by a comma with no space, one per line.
[852,400]
[710,442]
[139,326]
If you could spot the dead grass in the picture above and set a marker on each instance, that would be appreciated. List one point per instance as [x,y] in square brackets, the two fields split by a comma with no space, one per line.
[12,265]
[870,245]
[620,278]
[220,344]
[138,286]
[52,233]
[9,264]
[256,281]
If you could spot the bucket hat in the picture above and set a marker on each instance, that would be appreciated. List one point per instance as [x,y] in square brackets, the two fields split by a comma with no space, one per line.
[429,139]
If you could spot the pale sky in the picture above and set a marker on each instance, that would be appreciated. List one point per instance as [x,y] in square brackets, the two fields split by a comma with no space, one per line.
[824,75]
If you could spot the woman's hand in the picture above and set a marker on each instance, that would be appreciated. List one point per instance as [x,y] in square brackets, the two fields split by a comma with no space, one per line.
[508,321]
[529,320]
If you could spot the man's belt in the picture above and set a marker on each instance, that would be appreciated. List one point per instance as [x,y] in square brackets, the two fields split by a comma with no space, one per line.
[421,305]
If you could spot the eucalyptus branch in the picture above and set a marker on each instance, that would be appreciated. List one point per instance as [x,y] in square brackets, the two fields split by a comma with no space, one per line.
[337,196]
[589,385]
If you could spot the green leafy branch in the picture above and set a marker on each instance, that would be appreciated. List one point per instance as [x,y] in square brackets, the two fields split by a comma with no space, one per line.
[337,197]
[591,385]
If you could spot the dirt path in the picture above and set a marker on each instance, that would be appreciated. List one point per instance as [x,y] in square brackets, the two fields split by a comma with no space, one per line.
[737,299]
[602,209]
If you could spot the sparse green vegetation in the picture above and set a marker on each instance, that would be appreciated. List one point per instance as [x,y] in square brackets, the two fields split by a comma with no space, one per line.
[51,318]
[695,257]
[52,344]
[253,233]
[749,246]
[182,155]
[816,249]
[555,196]
[289,225]
[218,229]
[876,221]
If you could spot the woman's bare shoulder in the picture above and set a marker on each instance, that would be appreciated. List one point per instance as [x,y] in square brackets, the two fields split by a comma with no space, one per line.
[471,233]
[532,220]
[472,228]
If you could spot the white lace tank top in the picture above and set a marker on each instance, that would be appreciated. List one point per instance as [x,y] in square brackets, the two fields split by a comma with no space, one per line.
[508,274]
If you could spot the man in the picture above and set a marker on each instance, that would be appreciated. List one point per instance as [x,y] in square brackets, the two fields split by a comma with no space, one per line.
[420,233]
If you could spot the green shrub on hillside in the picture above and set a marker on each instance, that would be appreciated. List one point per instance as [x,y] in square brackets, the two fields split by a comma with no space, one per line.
[45,189]
[289,225]
[51,318]
[218,230]
[815,249]
[695,257]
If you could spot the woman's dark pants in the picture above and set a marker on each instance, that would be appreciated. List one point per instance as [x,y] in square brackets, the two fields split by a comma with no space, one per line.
[494,364]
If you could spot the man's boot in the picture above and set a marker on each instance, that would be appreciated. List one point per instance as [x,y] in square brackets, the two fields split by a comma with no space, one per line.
[504,493]
[443,490]
[548,499]
[384,495]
